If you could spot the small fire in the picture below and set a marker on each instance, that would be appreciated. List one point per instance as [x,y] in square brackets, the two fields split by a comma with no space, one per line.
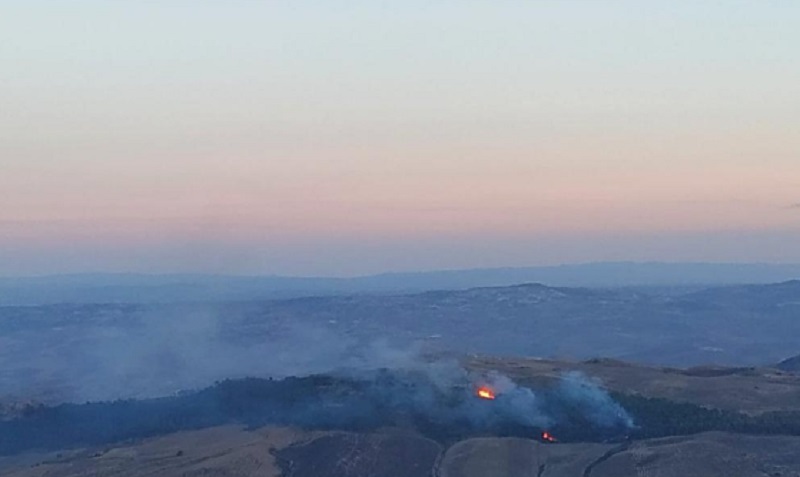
[547,437]
[485,393]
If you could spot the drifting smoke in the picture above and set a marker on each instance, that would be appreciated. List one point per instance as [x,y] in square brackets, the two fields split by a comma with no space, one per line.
[444,394]
[595,403]
[162,351]
[297,375]
[436,399]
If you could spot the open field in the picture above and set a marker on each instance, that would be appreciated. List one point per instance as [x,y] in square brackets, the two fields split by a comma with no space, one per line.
[280,452]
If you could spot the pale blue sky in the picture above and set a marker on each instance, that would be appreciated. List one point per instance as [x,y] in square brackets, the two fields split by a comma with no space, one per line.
[353,137]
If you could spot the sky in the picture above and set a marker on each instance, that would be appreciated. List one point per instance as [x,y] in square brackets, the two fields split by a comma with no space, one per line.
[346,138]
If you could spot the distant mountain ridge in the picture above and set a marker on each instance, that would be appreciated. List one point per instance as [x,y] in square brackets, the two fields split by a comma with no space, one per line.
[790,364]
[734,326]
[141,288]
[786,293]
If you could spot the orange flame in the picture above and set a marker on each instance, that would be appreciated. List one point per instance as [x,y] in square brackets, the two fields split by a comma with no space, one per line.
[485,393]
[547,437]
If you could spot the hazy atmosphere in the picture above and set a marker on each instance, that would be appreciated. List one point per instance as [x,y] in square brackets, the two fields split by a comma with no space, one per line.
[344,138]
[549,238]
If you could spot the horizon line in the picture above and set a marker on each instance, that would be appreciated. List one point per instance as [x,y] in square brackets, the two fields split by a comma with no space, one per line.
[396,272]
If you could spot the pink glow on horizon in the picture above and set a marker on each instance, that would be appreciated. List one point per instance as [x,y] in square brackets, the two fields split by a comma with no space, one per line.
[280,130]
